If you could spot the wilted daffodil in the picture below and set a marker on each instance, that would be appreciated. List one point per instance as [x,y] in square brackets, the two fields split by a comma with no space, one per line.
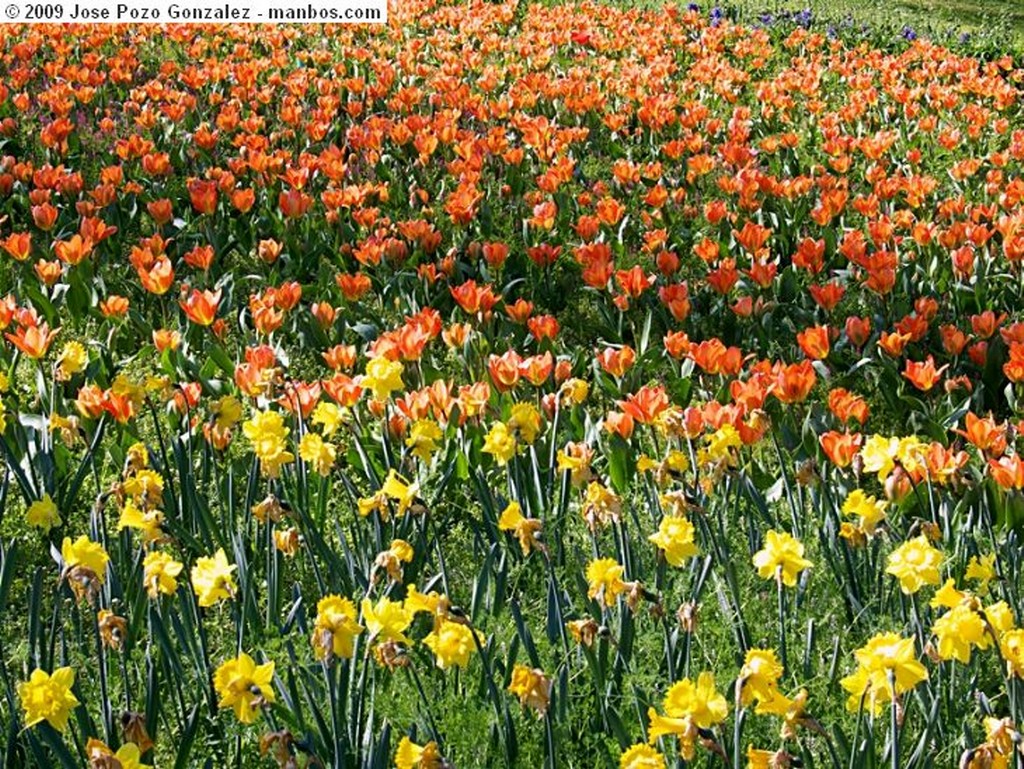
[391,560]
[532,687]
[335,628]
[85,566]
[128,756]
[148,523]
[526,530]
[394,488]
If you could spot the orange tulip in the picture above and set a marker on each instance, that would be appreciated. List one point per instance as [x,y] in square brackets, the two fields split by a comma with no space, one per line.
[199,258]
[344,390]
[18,245]
[537,368]
[677,344]
[33,341]
[793,383]
[985,324]
[353,287]
[953,339]
[814,342]
[157,278]
[268,250]
[201,306]
[923,375]
[985,434]
[166,339]
[44,216]
[645,404]
[619,424]
[841,448]
[161,211]
[617,361]
[48,272]
[89,401]
[504,370]
[472,298]
[677,299]
[203,195]
[893,344]
[519,311]
[543,327]
[858,330]
[846,406]
[294,203]
[114,306]
[1007,471]
[73,250]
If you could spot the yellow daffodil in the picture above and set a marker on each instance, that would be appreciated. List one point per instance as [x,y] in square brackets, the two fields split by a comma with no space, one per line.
[46,697]
[386,620]
[424,438]
[641,757]
[213,578]
[885,656]
[329,416]
[244,686]
[915,564]
[500,443]
[782,557]
[268,435]
[43,514]
[413,756]
[160,573]
[382,377]
[317,452]
[605,578]
[689,707]
[452,644]
[674,538]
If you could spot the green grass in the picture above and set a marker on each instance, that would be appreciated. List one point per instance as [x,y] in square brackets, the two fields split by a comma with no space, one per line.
[1002,20]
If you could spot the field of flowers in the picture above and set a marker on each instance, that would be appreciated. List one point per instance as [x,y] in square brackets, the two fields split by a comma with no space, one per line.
[510,385]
